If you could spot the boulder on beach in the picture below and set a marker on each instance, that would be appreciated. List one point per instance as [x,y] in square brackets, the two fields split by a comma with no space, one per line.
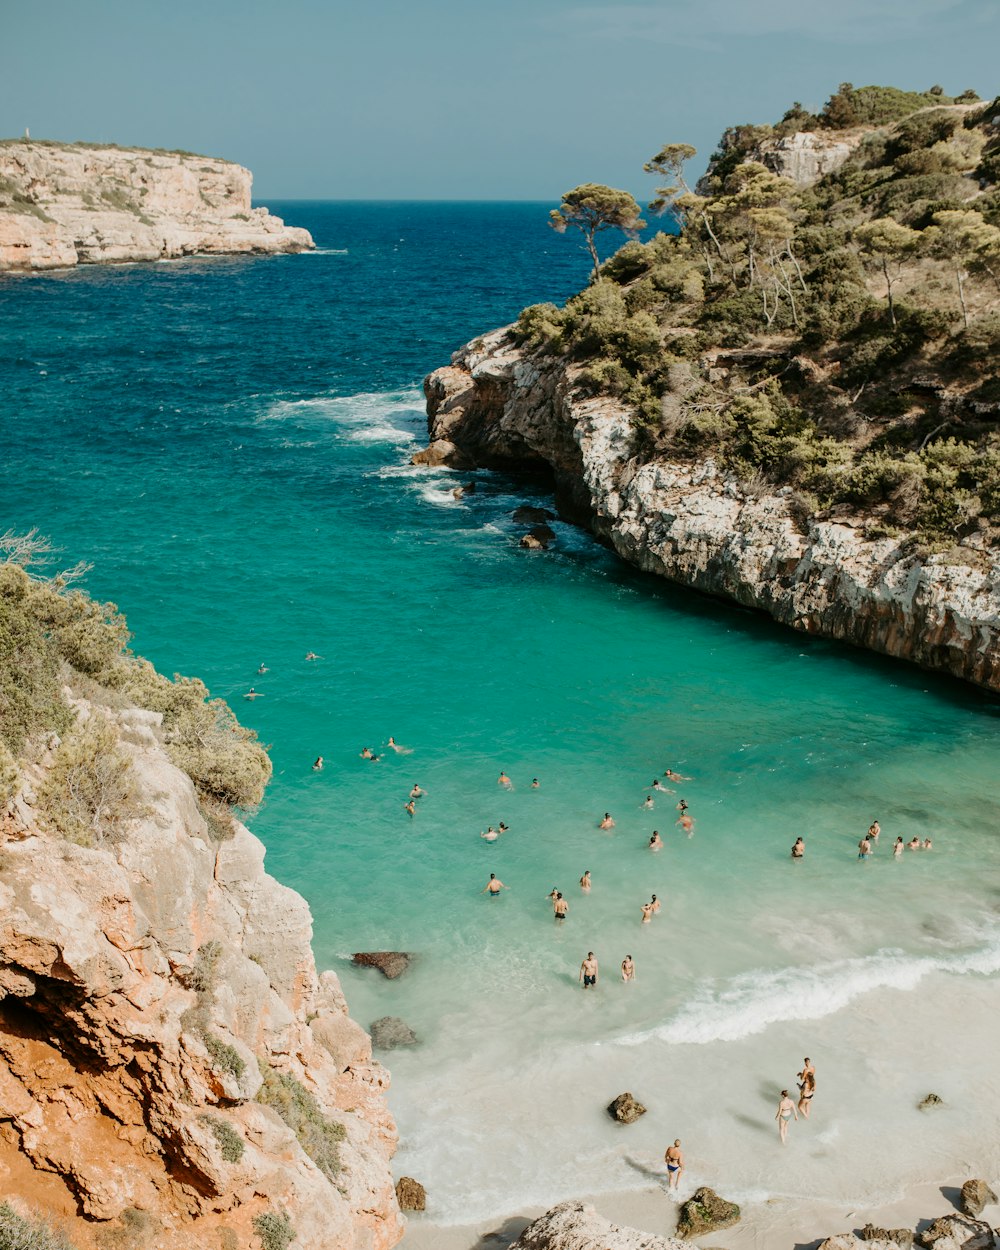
[975,1195]
[539,538]
[894,1236]
[848,1241]
[625,1109]
[388,1032]
[391,964]
[932,1100]
[526,515]
[957,1232]
[577,1226]
[410,1194]
[706,1212]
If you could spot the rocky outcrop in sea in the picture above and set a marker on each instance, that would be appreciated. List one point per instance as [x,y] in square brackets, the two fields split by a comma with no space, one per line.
[170,1059]
[502,406]
[72,204]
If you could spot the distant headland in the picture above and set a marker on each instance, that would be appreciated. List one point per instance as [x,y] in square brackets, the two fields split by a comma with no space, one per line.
[68,204]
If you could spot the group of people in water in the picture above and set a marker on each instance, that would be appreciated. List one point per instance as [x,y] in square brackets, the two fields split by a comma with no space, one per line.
[787,1107]
[869,843]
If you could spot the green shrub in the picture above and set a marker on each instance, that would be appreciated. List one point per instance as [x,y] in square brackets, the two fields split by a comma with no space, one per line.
[231,1144]
[274,1230]
[318,1136]
[31,699]
[20,1233]
[9,773]
[89,795]
[540,325]
[225,1057]
[133,1230]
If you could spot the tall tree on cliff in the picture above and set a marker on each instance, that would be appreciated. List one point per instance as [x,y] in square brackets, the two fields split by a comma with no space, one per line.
[592,207]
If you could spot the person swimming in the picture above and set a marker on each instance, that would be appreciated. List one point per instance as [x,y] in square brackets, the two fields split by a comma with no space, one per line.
[503,828]
[505,781]
[655,841]
[927,844]
[607,822]
[368,754]
[686,822]
[262,669]
[647,802]
[411,807]
[535,783]
[798,849]
[252,694]
[682,805]
[490,835]
[311,655]
[393,745]
[913,844]
[672,776]
[654,902]
[318,764]
[416,792]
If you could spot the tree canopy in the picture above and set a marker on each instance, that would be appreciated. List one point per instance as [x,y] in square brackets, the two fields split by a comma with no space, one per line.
[592,207]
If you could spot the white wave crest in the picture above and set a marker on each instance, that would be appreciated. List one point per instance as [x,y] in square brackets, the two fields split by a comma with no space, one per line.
[368,417]
[751,1002]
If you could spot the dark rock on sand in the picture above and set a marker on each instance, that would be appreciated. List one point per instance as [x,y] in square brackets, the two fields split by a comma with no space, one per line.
[706,1212]
[388,1032]
[539,538]
[975,1196]
[526,515]
[410,1194]
[956,1232]
[391,964]
[897,1236]
[625,1109]
[932,1100]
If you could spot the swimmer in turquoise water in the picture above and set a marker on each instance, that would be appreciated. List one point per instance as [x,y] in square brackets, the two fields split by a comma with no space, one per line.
[493,886]
[655,842]
[585,882]
[607,822]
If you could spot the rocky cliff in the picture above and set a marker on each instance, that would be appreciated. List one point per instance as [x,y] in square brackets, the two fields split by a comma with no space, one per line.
[502,405]
[173,1071]
[69,204]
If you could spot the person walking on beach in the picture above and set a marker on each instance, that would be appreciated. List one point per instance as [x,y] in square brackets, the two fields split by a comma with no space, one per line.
[674,1159]
[786,1109]
[588,971]
[798,849]
[493,886]
[628,969]
[585,882]
[560,907]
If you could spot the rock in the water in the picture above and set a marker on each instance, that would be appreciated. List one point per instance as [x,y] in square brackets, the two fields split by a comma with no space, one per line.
[625,1109]
[539,538]
[577,1226]
[441,452]
[410,1194]
[932,1100]
[956,1232]
[391,964]
[706,1212]
[526,515]
[975,1196]
[895,1236]
[388,1032]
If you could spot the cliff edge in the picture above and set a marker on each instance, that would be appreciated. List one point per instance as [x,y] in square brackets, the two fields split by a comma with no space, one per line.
[173,1070]
[67,204]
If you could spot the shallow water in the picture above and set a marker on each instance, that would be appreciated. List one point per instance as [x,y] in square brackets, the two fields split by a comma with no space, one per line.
[228,442]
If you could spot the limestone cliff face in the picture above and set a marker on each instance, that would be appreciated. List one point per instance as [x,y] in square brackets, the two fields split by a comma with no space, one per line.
[63,205]
[499,406]
[140,985]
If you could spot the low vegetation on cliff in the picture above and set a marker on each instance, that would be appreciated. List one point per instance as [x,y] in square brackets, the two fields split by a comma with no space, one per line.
[58,644]
[840,338]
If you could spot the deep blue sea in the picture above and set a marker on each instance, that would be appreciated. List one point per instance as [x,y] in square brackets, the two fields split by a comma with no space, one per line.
[227,442]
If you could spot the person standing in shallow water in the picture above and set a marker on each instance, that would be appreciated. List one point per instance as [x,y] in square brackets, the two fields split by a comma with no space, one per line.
[560,907]
[628,969]
[674,1159]
[585,882]
[588,971]
[786,1109]
[799,849]
[493,886]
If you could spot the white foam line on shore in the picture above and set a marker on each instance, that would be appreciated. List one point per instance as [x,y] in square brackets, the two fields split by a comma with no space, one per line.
[754,1000]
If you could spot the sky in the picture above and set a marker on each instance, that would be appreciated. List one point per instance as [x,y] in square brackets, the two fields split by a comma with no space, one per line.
[461,99]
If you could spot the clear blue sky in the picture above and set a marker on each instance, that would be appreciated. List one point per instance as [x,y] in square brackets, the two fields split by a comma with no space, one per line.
[460,99]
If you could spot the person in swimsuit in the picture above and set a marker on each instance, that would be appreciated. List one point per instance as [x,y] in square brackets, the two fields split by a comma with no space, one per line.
[655,785]
[607,822]
[311,655]
[682,805]
[263,669]
[628,969]
[655,842]
[927,844]
[502,827]
[560,907]
[410,806]
[672,776]
[647,913]
[505,781]
[394,746]
[807,1087]
[252,694]
[368,754]
[808,1068]
[898,847]
[493,886]
[874,829]
[585,882]
[647,803]
[864,848]
[913,844]
[534,783]
[686,822]
[654,902]
[588,971]
[490,835]
[674,1159]
[786,1109]
[416,792]
[799,849]
[318,764]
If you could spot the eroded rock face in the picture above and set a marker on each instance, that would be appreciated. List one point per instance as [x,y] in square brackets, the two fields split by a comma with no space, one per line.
[956,1232]
[706,1212]
[895,1236]
[140,984]
[696,525]
[807,156]
[625,1109]
[63,205]
[577,1226]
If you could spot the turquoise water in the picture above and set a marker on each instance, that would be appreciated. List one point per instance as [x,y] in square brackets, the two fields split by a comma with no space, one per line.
[228,442]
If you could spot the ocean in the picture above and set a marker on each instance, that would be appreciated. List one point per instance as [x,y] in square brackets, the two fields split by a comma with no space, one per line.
[227,442]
